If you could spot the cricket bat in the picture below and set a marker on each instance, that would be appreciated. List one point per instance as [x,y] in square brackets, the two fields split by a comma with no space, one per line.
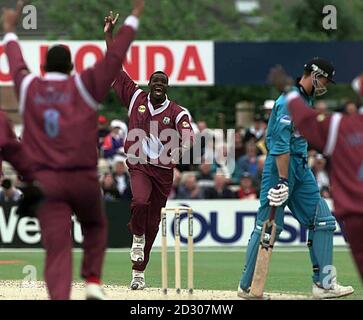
[264,255]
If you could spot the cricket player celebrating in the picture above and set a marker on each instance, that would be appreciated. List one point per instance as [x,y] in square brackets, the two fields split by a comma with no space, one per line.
[159,133]
[287,180]
[60,136]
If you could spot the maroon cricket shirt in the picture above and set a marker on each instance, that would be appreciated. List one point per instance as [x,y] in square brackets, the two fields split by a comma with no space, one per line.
[154,131]
[340,137]
[60,111]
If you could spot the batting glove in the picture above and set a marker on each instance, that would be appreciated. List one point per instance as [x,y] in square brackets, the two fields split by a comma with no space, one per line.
[279,193]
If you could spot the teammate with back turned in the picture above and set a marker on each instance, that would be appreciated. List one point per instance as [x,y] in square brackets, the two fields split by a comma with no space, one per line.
[60,136]
[341,138]
[159,133]
[287,180]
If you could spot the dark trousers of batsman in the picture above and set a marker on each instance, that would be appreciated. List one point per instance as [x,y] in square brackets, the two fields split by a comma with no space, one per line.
[69,192]
[150,186]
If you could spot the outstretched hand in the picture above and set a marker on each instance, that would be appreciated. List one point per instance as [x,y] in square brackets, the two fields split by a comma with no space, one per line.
[110,22]
[279,78]
[11,17]
[138,8]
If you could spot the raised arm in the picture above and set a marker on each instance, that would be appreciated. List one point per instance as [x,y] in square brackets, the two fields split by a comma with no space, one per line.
[110,22]
[123,85]
[17,65]
[96,81]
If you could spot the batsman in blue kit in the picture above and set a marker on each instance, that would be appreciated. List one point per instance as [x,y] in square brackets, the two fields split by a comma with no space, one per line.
[288,181]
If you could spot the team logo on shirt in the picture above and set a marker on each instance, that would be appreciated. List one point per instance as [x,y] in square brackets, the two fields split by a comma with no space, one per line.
[166,120]
[320,117]
[152,147]
[185,124]
[141,109]
[285,119]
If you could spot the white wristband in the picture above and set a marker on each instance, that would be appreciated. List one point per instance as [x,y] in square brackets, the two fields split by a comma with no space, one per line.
[10,36]
[132,21]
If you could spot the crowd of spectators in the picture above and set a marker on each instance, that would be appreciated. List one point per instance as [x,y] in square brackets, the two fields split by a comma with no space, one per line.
[220,169]
[9,191]
[208,173]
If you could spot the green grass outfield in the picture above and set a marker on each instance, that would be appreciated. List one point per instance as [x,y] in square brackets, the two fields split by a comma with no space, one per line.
[290,269]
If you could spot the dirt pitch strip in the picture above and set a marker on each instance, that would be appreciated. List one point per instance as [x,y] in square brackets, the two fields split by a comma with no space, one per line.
[17,290]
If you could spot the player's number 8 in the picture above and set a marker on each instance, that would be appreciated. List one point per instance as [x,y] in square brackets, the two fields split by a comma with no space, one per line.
[51,122]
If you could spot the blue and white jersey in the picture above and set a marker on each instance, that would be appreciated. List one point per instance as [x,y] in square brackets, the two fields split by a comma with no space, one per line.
[282,137]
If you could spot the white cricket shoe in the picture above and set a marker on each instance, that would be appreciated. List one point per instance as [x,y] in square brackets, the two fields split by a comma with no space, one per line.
[246,294]
[137,249]
[336,290]
[138,280]
[94,292]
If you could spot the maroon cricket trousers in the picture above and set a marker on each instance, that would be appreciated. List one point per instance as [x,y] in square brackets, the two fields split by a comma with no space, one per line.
[150,187]
[353,230]
[69,192]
